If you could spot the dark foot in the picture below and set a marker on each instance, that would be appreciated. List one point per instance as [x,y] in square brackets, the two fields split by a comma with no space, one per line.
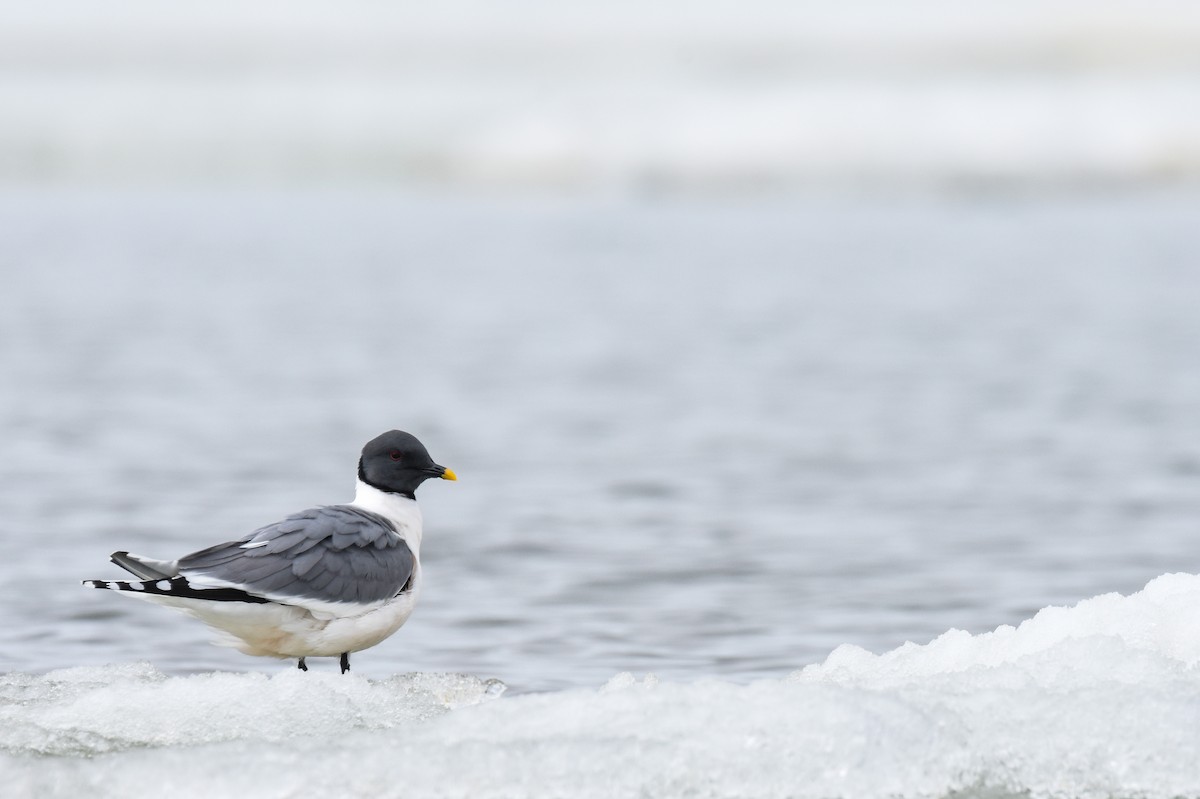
[301,665]
[345,662]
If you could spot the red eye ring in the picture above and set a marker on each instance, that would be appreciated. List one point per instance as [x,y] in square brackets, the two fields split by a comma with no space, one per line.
[395,455]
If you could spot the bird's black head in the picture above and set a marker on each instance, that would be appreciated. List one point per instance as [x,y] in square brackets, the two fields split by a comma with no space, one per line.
[397,463]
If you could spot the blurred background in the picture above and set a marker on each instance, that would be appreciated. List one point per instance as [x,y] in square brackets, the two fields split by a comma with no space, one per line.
[620,96]
[751,329]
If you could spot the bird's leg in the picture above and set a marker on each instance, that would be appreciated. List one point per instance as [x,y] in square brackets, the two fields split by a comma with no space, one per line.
[301,665]
[345,662]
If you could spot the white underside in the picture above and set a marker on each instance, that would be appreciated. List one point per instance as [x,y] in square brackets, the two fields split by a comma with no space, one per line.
[292,627]
[280,630]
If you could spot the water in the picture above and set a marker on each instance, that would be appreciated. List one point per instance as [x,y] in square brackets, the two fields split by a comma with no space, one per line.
[695,437]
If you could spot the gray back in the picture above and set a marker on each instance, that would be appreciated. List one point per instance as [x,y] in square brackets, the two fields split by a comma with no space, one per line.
[337,553]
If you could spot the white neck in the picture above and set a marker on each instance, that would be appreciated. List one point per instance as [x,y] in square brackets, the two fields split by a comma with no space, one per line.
[399,510]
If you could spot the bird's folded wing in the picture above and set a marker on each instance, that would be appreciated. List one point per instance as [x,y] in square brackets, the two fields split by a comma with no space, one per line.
[328,558]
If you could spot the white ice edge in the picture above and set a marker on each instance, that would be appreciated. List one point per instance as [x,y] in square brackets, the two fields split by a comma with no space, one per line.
[1098,700]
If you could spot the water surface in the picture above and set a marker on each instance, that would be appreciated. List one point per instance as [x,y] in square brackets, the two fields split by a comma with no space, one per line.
[696,436]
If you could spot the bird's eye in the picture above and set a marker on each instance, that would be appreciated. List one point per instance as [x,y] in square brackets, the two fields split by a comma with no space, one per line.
[395,455]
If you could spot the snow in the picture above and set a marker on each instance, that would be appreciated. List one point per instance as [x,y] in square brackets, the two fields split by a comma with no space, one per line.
[88,711]
[1098,700]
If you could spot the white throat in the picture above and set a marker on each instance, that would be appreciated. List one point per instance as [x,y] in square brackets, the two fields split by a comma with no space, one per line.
[399,510]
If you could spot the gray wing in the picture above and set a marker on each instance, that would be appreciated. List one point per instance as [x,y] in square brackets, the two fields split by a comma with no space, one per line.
[337,553]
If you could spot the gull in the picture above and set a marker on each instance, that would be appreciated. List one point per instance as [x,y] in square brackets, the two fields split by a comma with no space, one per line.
[323,582]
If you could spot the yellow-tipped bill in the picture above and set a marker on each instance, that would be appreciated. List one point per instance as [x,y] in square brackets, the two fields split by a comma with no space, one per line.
[449,474]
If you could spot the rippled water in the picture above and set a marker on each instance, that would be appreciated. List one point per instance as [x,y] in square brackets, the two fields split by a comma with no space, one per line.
[694,436]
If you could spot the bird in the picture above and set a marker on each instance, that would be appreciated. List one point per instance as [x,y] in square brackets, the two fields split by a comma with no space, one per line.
[323,582]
